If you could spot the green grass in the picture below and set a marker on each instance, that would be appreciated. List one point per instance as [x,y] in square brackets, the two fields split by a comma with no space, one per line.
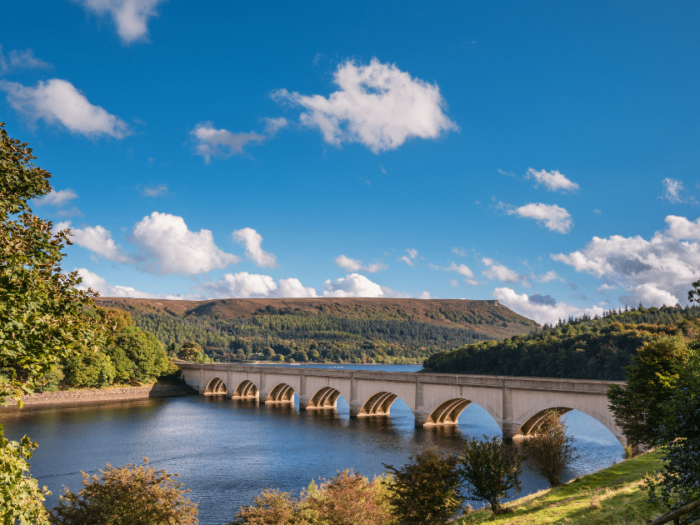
[611,496]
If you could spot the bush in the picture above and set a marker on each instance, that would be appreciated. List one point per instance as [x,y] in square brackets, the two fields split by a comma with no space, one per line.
[426,490]
[491,468]
[131,495]
[143,350]
[89,369]
[191,352]
[271,507]
[550,448]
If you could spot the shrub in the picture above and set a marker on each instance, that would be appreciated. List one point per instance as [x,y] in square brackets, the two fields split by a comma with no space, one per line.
[271,507]
[550,448]
[192,352]
[131,495]
[425,491]
[490,468]
[89,369]
[143,350]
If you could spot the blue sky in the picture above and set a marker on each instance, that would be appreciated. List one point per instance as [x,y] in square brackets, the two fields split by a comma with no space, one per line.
[545,154]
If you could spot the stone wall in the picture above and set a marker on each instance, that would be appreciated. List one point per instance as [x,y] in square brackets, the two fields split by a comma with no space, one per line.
[106,395]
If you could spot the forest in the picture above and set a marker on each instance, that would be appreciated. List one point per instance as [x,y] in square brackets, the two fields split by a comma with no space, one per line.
[583,348]
[294,337]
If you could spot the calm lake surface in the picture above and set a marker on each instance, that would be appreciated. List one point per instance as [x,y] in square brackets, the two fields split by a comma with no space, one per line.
[228,451]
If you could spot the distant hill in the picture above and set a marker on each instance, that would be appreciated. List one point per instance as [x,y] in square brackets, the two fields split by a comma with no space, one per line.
[584,348]
[322,329]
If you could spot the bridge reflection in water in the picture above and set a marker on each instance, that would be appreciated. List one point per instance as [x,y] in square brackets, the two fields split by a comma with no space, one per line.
[517,404]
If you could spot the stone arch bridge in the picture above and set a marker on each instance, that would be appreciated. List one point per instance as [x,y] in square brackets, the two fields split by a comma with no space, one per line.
[516,403]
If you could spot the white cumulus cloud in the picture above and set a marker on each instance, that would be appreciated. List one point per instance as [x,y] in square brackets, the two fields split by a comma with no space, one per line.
[252,241]
[211,142]
[377,105]
[97,239]
[658,271]
[551,216]
[57,198]
[130,16]
[168,246]
[408,259]
[543,309]
[464,271]
[502,273]
[355,265]
[548,277]
[244,284]
[58,102]
[356,285]
[99,284]
[552,180]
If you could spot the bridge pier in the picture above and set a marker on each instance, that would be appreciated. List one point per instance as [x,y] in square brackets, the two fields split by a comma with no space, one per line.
[304,402]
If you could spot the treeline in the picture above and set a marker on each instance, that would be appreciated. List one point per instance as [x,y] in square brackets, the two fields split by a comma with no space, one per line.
[319,338]
[581,348]
[129,355]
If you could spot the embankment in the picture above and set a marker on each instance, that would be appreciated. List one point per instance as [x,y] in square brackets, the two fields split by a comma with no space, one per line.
[102,395]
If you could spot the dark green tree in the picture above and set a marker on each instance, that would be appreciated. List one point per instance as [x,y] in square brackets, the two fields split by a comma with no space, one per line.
[426,490]
[491,469]
[551,449]
[192,352]
[89,369]
[637,407]
[143,350]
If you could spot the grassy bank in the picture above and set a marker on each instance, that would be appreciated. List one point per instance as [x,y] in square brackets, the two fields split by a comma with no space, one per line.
[611,496]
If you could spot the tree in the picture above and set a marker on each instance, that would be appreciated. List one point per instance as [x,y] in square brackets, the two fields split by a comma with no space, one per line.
[678,483]
[89,369]
[20,496]
[43,315]
[426,490]
[143,350]
[637,407]
[550,448]
[192,352]
[491,468]
[131,495]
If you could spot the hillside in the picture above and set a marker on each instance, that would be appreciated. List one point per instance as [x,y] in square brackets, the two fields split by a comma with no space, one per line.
[586,348]
[344,329]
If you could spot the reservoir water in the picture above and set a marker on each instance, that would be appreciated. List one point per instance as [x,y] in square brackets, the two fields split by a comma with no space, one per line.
[228,451]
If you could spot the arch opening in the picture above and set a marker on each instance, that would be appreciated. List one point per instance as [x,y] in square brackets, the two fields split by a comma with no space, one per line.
[378,405]
[282,393]
[246,390]
[216,387]
[447,413]
[327,397]
[531,426]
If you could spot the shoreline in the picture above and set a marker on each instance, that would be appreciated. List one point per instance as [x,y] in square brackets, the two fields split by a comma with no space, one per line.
[98,396]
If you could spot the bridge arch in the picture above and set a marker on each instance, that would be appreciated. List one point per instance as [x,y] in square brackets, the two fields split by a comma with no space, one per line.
[378,404]
[282,393]
[326,397]
[446,410]
[531,419]
[246,390]
[215,387]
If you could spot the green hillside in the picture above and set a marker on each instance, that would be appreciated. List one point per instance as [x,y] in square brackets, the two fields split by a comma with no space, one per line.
[584,348]
[323,330]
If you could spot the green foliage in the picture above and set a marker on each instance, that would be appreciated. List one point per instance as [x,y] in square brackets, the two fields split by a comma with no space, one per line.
[425,491]
[550,448]
[346,499]
[192,352]
[20,496]
[43,316]
[599,348]
[491,468]
[143,350]
[638,407]
[678,483]
[131,495]
[88,369]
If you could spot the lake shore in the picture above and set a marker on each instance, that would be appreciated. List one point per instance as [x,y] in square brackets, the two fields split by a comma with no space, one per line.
[100,395]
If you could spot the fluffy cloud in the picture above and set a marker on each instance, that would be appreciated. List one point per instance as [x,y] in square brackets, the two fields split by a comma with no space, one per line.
[502,273]
[377,105]
[356,285]
[548,277]
[99,284]
[463,270]
[211,142]
[656,271]
[553,217]
[355,265]
[57,198]
[96,239]
[543,309]
[168,246]
[244,284]
[20,60]
[273,125]
[252,241]
[59,102]
[674,190]
[130,16]
[552,180]
[408,259]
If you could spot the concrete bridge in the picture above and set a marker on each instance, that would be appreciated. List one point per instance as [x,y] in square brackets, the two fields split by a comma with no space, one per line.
[516,403]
